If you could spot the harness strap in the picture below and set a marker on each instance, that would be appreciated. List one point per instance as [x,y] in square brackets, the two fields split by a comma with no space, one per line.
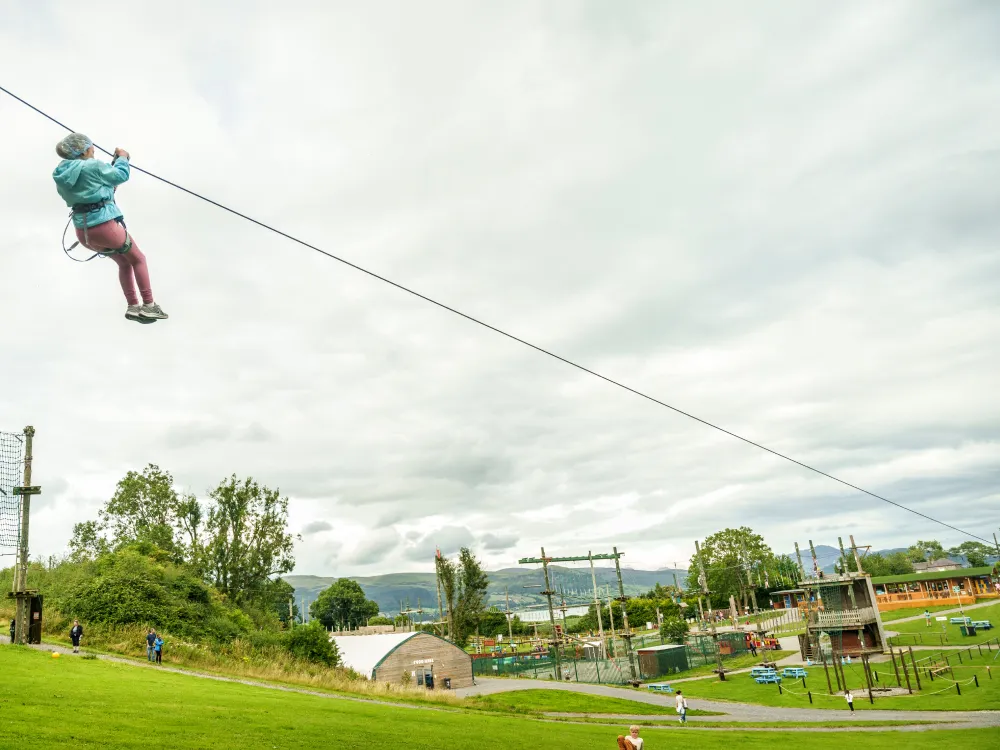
[86,240]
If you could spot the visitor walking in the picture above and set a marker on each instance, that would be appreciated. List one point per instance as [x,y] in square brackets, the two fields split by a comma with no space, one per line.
[927,617]
[13,627]
[849,697]
[753,648]
[75,634]
[682,707]
[150,645]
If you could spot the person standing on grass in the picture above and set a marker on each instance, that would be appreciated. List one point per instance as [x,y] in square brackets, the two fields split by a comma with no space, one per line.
[927,617]
[632,742]
[150,645]
[13,627]
[75,634]
[682,707]
[158,648]
[849,697]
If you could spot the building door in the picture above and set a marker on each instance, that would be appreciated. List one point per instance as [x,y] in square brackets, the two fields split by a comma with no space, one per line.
[425,677]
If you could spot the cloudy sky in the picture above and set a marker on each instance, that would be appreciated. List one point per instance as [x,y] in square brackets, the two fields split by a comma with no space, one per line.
[781,217]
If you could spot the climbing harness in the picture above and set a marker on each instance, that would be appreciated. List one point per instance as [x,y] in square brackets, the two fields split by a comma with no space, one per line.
[84,209]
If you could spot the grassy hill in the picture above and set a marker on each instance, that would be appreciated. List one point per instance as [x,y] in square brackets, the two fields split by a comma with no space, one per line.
[73,702]
[389,590]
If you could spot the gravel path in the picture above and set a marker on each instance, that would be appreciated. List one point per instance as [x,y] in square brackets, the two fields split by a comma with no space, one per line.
[739,711]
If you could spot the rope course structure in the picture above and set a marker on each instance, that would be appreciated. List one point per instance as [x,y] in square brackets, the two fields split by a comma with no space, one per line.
[511,336]
[11,468]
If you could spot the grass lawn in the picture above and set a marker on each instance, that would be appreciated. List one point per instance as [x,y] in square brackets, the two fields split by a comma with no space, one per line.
[742,689]
[742,661]
[564,701]
[72,702]
[953,635]
[898,614]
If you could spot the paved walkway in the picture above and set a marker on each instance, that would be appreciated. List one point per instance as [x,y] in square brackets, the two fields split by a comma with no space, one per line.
[742,712]
[944,612]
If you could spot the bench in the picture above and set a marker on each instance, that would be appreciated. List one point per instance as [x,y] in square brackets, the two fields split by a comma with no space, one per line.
[760,671]
[772,678]
[660,687]
[793,672]
[960,620]
[984,624]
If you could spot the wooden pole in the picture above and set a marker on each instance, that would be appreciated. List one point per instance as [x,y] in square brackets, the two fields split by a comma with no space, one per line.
[22,597]
[826,669]
[916,672]
[895,667]
[907,673]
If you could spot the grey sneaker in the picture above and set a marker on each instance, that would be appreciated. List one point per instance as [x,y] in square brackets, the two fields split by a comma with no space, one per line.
[152,312]
[132,312]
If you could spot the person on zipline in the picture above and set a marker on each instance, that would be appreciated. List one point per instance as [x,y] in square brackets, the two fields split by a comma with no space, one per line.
[88,187]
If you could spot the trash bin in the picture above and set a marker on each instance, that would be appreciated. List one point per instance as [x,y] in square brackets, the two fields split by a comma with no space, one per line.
[967,629]
[447,683]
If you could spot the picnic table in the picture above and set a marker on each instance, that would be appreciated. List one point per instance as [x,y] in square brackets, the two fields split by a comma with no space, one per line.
[793,672]
[960,620]
[758,671]
[984,624]
[773,678]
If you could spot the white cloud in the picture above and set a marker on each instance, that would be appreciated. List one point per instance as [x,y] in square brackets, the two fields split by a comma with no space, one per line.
[785,228]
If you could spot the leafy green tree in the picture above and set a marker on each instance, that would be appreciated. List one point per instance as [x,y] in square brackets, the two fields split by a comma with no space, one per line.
[143,509]
[674,630]
[924,551]
[894,563]
[463,584]
[312,643]
[343,605]
[975,552]
[247,539]
[732,559]
[379,620]
[87,542]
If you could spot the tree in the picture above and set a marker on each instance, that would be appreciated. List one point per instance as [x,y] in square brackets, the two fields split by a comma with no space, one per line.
[379,620]
[312,643]
[974,552]
[464,585]
[343,605]
[894,563]
[674,629]
[733,559]
[143,509]
[924,551]
[247,538]
[87,542]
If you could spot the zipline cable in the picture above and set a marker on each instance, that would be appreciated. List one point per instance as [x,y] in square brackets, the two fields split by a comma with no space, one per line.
[511,336]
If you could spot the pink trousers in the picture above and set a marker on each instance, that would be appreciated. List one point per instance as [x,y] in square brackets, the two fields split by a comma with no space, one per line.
[132,268]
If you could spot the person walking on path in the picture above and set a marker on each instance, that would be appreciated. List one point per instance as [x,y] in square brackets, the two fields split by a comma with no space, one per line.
[13,627]
[75,634]
[682,707]
[88,185]
[927,617]
[849,697]
[632,742]
[158,647]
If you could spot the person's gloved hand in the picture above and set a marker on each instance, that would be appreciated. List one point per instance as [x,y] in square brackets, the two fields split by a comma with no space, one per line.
[122,152]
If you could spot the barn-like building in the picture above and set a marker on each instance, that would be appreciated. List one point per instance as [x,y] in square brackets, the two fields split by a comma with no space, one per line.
[427,660]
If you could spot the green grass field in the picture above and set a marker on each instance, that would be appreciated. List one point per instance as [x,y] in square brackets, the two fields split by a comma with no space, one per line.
[561,701]
[72,702]
[953,633]
[742,661]
[898,614]
[741,688]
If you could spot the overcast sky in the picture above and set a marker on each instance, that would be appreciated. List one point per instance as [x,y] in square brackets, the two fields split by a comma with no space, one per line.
[782,217]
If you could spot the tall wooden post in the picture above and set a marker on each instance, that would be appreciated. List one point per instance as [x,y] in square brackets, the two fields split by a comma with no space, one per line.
[22,608]
[627,632]
[857,558]
[916,672]
[711,620]
[798,556]
[552,617]
[597,604]
[826,669]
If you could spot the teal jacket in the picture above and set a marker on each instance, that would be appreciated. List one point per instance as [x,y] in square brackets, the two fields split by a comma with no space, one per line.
[91,181]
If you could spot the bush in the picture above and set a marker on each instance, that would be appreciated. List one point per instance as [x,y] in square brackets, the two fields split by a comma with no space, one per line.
[312,643]
[674,629]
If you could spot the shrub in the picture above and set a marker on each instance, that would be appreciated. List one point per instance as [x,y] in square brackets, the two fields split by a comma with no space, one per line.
[312,643]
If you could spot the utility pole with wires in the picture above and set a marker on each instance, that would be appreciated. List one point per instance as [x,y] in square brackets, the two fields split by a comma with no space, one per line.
[711,621]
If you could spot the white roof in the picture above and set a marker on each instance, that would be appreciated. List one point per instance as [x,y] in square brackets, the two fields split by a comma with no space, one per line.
[664,647]
[362,652]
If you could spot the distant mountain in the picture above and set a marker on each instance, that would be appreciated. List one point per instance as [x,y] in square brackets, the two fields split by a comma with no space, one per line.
[827,556]
[522,584]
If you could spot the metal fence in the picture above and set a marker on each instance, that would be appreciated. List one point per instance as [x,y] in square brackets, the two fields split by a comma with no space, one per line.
[699,650]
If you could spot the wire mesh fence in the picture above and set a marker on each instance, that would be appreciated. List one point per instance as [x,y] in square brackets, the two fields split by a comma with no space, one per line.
[11,468]
[654,659]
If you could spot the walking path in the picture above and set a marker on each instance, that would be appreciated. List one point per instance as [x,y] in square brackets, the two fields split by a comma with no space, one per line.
[944,612]
[741,712]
